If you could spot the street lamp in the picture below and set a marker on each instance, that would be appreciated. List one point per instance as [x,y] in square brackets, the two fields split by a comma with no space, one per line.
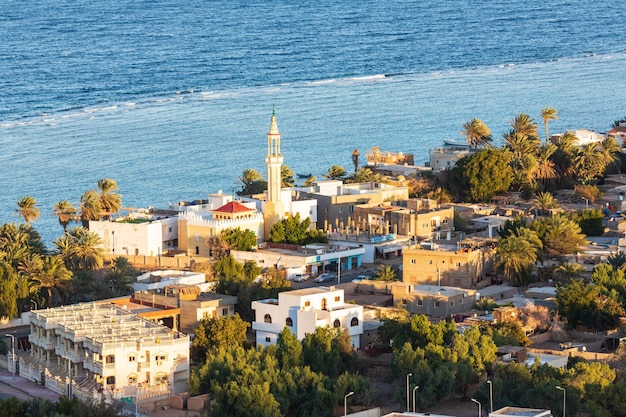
[345,403]
[409,375]
[35,302]
[12,351]
[562,389]
[480,409]
[490,396]
[414,389]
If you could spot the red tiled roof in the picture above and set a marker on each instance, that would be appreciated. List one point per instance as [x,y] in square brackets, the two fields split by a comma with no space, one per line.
[233,207]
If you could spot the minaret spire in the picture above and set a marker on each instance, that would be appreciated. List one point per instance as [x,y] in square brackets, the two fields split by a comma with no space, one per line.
[274,207]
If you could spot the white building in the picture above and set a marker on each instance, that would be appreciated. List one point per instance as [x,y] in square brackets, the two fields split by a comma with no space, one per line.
[160,279]
[302,311]
[101,351]
[138,233]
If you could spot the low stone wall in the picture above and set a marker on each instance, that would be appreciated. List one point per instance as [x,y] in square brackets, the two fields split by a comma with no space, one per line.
[166,262]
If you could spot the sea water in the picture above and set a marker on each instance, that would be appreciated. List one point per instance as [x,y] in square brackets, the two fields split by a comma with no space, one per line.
[173,100]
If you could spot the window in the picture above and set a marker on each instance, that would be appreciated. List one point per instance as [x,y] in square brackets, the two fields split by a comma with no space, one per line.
[132,358]
[354,322]
[225,312]
[436,304]
[451,303]
[160,358]
[420,302]
[110,380]
[458,264]
[340,210]
[351,209]
[110,359]
[161,378]
[268,340]
[267,318]
[307,304]
[413,261]
[444,221]
[336,323]
[337,298]
[197,250]
[169,229]
[289,322]
[132,379]
[430,262]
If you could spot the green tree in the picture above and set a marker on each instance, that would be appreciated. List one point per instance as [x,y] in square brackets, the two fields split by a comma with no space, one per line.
[65,212]
[53,277]
[544,202]
[240,239]
[589,163]
[287,177]
[252,182]
[480,176]
[569,270]
[336,172]
[121,276]
[560,235]
[477,134]
[386,273]
[110,200]
[516,257]
[218,333]
[289,349]
[80,249]
[27,209]
[591,221]
[90,207]
[547,114]
[295,231]
[523,125]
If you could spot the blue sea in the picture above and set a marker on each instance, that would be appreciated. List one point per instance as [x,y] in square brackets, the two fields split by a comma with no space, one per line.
[173,99]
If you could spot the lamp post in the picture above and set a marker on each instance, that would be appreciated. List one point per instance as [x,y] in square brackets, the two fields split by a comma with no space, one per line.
[35,302]
[409,375]
[480,407]
[345,403]
[562,389]
[12,351]
[490,396]
[414,389]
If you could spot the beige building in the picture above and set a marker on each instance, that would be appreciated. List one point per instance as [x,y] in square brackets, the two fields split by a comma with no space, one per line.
[197,231]
[377,157]
[413,217]
[101,351]
[462,265]
[433,300]
[446,157]
[336,202]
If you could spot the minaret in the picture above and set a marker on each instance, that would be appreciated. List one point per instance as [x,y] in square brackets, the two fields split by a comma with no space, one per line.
[273,210]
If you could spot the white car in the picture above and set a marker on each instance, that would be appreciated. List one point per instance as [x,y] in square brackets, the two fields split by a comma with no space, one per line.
[300,277]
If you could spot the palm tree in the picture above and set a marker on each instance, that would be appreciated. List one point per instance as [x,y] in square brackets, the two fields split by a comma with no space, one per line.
[65,211]
[547,114]
[476,133]
[110,200]
[544,201]
[611,153]
[121,277]
[252,181]
[336,172]
[27,209]
[516,258]
[521,144]
[522,124]
[287,177]
[80,249]
[310,181]
[90,207]
[52,277]
[546,170]
[589,162]
[569,270]
[386,273]
[617,260]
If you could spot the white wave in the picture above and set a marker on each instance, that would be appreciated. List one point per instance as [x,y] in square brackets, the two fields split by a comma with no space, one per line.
[67,116]
[368,78]
[131,103]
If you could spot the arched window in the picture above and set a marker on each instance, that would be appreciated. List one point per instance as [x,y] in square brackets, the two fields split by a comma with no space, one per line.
[336,323]
[354,322]
[289,322]
[267,318]
[110,380]
[324,306]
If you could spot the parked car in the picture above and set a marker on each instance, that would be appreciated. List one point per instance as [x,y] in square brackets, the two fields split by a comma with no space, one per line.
[326,277]
[300,277]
